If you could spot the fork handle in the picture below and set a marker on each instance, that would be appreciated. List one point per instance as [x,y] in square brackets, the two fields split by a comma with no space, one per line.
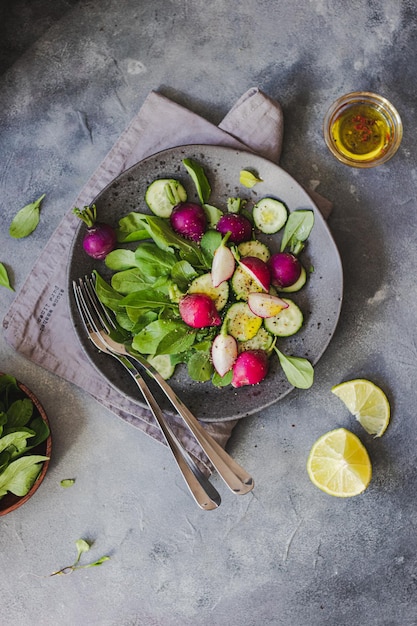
[201,489]
[235,477]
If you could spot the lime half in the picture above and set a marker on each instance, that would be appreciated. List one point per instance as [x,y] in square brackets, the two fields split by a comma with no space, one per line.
[339,464]
[367,402]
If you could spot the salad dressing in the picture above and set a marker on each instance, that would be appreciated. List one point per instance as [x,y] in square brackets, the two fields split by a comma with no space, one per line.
[361,132]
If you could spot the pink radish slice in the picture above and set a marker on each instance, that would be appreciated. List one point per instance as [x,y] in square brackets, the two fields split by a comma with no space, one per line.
[265,305]
[258,270]
[223,353]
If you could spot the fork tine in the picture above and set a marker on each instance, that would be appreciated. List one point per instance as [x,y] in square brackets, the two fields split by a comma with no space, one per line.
[105,321]
[82,308]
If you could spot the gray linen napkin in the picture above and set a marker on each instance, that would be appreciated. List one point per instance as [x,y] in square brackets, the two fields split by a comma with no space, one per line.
[38,323]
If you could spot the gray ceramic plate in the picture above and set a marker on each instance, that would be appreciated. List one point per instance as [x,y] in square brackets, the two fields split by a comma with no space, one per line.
[320,300]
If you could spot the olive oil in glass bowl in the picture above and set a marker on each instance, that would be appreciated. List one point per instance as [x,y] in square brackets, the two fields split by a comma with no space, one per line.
[362,129]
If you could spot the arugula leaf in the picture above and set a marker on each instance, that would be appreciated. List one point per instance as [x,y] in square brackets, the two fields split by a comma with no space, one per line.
[4,278]
[213,214]
[26,220]
[299,371]
[199,178]
[297,230]
[164,337]
[129,281]
[210,241]
[131,228]
[19,476]
[222,381]
[153,261]
[165,238]
[19,412]
[107,295]
[82,546]
[120,259]
[199,366]
[147,299]
[182,274]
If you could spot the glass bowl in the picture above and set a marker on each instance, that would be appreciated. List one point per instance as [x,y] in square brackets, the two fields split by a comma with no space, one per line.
[10,502]
[362,129]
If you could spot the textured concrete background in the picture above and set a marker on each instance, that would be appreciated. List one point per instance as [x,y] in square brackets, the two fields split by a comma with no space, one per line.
[72,76]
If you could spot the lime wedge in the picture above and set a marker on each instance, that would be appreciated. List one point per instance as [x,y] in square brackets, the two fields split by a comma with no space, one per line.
[367,402]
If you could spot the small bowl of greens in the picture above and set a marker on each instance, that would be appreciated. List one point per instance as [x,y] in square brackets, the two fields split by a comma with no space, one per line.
[25,444]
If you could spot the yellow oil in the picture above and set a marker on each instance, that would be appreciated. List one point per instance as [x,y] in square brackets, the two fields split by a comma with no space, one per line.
[361,133]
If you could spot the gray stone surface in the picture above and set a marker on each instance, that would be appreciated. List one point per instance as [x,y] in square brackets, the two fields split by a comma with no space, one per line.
[73,75]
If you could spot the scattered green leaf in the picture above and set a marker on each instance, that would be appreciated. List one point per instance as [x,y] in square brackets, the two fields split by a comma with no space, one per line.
[67,482]
[82,546]
[26,220]
[4,278]
[248,179]
[299,371]
[199,178]
[297,230]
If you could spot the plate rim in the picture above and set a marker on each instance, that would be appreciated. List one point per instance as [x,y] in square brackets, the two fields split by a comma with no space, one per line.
[226,150]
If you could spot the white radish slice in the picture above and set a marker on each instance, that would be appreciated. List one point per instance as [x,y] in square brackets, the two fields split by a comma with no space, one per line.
[265,305]
[223,353]
[223,265]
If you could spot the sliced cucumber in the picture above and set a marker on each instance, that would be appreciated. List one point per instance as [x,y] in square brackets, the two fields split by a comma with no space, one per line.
[298,283]
[203,284]
[163,364]
[243,284]
[163,194]
[263,340]
[254,248]
[287,322]
[241,323]
[269,215]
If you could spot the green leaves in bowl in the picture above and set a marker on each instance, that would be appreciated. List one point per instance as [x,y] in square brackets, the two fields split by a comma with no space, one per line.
[24,432]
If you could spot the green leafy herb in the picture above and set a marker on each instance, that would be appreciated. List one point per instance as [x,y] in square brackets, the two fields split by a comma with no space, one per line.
[199,178]
[4,278]
[67,482]
[299,371]
[26,220]
[297,230]
[82,546]
[21,429]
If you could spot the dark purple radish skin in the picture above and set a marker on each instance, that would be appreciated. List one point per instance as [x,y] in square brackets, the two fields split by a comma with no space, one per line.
[239,227]
[285,269]
[100,238]
[199,311]
[258,270]
[189,220]
[250,368]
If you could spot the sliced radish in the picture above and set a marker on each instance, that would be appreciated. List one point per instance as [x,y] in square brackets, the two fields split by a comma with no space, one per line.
[223,353]
[250,368]
[265,305]
[258,270]
[223,265]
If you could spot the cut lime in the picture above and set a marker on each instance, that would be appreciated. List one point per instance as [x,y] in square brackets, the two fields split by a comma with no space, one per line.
[367,402]
[339,464]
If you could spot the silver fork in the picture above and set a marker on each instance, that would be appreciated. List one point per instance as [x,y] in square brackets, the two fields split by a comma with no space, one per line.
[203,492]
[235,477]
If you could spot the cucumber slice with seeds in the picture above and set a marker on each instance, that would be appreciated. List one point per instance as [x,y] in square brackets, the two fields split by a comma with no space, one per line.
[287,322]
[269,215]
[163,195]
[243,284]
[263,340]
[241,323]
[254,248]
[203,284]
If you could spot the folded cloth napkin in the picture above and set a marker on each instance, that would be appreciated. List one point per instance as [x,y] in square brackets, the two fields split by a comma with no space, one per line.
[38,323]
